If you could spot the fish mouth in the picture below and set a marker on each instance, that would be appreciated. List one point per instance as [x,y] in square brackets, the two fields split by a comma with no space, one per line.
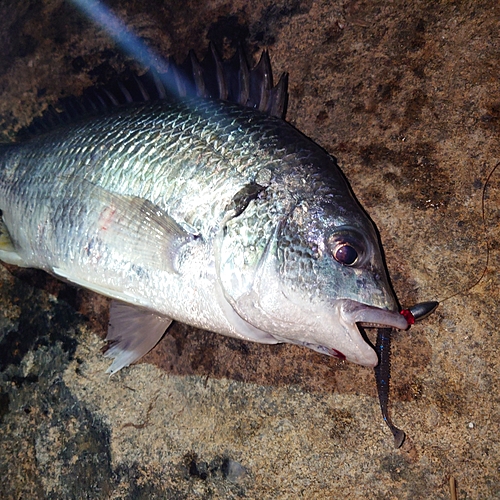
[354,347]
[353,314]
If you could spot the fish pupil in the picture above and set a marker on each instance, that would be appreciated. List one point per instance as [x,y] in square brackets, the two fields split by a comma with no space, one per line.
[345,254]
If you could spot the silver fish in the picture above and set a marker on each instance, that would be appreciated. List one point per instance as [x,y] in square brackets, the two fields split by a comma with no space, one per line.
[201,211]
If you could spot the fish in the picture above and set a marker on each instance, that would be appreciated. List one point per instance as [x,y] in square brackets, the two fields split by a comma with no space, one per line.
[201,205]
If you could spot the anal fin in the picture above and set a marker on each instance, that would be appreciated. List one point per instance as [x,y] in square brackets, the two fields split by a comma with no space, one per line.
[132,332]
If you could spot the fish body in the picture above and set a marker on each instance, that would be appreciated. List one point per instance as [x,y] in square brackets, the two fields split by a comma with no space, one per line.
[201,211]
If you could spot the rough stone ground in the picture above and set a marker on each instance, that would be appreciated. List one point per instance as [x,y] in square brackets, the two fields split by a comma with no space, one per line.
[407,96]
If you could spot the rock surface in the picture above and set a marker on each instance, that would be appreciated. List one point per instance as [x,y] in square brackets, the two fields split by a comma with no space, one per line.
[407,96]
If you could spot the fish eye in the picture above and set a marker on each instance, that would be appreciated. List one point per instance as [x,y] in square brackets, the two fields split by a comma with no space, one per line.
[347,247]
[344,253]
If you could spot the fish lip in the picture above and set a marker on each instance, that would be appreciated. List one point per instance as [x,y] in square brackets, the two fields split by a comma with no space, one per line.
[356,312]
[352,314]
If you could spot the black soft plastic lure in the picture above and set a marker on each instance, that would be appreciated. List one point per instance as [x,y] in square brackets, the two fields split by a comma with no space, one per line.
[383,370]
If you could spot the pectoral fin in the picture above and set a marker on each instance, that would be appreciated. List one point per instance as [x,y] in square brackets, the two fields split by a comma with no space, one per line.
[148,233]
[132,332]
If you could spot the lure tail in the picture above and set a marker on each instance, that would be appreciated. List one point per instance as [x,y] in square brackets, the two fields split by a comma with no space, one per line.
[383,376]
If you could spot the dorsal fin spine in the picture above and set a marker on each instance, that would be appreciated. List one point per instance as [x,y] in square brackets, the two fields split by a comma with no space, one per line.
[214,78]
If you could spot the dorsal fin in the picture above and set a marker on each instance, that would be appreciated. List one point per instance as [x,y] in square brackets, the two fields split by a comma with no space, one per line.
[213,78]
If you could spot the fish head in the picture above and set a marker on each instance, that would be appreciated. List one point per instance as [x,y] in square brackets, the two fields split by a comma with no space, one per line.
[319,276]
